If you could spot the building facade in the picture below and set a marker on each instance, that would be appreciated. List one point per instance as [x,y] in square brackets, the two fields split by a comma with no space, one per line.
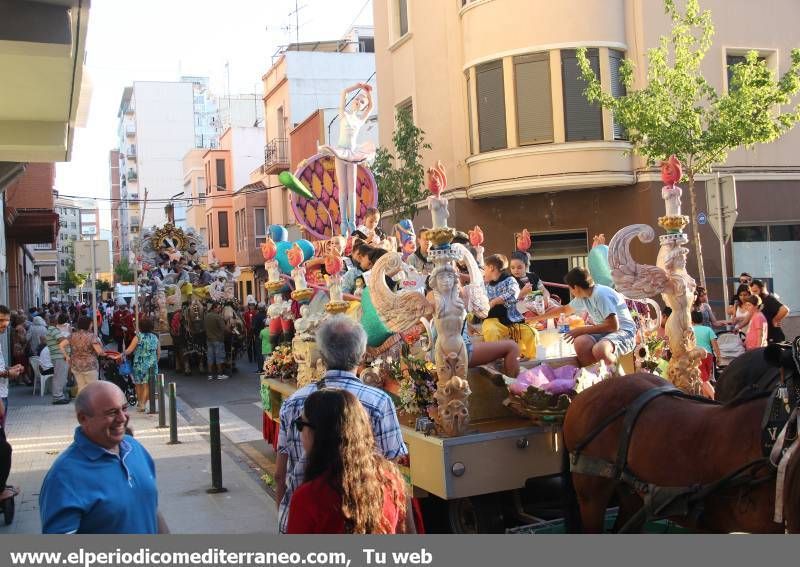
[227,170]
[31,228]
[115,202]
[304,78]
[494,84]
[156,128]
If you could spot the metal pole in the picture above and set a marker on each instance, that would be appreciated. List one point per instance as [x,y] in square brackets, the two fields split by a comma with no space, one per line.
[722,258]
[162,410]
[173,415]
[94,285]
[216,452]
[151,384]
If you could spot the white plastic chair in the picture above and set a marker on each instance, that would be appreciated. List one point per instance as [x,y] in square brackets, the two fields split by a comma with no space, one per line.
[38,377]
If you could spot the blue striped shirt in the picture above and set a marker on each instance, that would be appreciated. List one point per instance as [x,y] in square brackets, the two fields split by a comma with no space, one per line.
[382,414]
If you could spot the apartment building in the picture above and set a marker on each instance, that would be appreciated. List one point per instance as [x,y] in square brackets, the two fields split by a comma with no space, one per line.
[31,227]
[494,84]
[226,170]
[115,196]
[304,78]
[43,99]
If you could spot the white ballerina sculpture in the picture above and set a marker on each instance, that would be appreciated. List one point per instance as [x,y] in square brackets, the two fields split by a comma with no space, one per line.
[348,153]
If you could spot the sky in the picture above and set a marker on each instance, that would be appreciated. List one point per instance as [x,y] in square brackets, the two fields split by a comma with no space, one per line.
[146,40]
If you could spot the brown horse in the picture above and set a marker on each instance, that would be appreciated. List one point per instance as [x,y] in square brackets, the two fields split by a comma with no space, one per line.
[678,442]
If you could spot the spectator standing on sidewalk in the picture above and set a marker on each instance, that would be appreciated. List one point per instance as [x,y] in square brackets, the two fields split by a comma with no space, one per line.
[773,310]
[57,344]
[5,374]
[342,343]
[105,481]
[348,487]
[215,342]
[146,350]
[84,348]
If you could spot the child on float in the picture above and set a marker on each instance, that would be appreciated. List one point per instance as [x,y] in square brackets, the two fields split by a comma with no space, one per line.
[419,259]
[613,333]
[520,266]
[479,352]
[504,320]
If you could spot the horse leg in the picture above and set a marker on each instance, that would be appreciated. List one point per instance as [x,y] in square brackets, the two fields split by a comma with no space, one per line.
[594,494]
[629,504]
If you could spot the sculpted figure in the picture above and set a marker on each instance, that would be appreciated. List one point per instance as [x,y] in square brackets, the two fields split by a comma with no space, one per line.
[348,154]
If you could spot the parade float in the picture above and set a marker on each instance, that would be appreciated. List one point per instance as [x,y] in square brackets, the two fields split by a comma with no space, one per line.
[177,301]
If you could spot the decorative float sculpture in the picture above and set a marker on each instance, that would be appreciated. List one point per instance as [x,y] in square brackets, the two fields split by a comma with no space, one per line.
[401,311]
[274,282]
[668,277]
[348,154]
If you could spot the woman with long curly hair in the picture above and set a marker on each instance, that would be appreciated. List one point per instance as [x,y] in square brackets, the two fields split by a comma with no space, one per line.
[349,487]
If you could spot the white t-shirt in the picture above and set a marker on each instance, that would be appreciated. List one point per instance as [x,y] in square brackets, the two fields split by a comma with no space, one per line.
[603,302]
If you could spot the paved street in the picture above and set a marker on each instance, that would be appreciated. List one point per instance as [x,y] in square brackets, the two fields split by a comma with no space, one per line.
[39,431]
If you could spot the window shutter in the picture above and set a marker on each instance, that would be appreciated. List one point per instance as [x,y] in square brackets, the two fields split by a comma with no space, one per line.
[617,88]
[583,121]
[223,229]
[221,181]
[491,106]
[469,116]
[534,104]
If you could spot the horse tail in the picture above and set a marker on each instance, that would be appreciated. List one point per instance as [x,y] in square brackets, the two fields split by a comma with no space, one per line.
[569,498]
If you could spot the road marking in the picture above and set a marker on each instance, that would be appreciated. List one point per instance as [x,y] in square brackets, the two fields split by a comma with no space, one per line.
[234,428]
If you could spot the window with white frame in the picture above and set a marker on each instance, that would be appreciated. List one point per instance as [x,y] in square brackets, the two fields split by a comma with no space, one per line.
[401,17]
[260,225]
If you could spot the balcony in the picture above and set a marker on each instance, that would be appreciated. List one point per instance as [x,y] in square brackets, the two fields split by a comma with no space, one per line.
[276,156]
[32,225]
[131,153]
[130,130]
[132,175]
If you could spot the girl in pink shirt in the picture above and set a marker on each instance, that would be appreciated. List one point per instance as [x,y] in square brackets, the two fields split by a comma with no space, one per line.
[757,331]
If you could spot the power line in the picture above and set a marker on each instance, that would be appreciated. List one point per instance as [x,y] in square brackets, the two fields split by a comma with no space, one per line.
[172,200]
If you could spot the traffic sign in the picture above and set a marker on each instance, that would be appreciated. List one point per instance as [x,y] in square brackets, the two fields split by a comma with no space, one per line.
[702,218]
[722,205]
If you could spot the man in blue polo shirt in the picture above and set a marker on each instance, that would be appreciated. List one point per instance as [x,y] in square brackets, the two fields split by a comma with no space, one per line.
[105,482]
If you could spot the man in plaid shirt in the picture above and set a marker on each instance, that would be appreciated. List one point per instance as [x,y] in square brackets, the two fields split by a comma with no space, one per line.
[342,343]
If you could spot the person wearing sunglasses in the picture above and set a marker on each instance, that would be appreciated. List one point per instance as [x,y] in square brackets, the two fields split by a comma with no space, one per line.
[348,486]
[342,343]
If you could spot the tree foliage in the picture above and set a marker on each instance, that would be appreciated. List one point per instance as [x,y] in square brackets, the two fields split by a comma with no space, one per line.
[679,112]
[400,178]
[123,270]
[103,285]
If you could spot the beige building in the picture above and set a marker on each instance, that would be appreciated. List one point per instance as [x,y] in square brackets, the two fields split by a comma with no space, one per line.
[194,189]
[494,85]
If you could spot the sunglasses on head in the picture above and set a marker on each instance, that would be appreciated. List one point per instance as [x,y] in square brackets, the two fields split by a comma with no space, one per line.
[299,424]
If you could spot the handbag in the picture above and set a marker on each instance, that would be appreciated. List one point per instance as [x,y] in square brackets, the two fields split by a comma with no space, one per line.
[125,367]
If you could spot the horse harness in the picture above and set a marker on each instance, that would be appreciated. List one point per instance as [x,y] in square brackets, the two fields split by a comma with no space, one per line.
[665,501]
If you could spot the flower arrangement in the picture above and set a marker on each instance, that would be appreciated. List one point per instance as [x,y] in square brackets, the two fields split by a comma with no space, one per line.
[281,365]
[416,378]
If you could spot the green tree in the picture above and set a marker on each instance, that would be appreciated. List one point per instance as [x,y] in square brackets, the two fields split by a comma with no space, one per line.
[400,178]
[103,285]
[679,112]
[123,271]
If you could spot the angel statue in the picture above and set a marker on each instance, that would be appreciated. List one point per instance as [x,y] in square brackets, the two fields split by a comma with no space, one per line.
[348,153]
[676,286]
